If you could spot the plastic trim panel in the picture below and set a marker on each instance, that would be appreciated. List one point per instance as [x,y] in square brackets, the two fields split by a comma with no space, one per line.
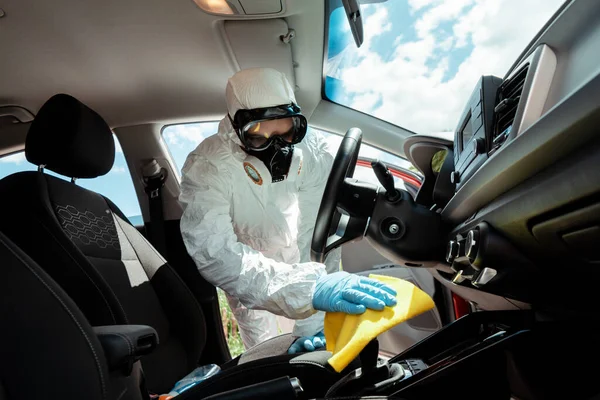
[561,130]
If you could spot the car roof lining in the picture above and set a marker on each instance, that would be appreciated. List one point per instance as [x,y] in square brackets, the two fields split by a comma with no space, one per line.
[145,61]
[140,62]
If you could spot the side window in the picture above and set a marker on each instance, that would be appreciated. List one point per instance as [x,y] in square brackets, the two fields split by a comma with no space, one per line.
[364,172]
[116,185]
[181,139]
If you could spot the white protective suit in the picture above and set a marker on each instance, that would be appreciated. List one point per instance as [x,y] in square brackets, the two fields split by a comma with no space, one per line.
[247,235]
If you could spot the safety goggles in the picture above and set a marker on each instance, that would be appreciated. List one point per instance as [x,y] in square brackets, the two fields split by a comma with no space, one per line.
[261,127]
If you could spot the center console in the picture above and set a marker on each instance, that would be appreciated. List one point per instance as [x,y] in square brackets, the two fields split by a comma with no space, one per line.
[464,360]
[484,355]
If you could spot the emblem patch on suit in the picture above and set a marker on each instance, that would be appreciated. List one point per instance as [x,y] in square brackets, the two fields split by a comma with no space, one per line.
[253,173]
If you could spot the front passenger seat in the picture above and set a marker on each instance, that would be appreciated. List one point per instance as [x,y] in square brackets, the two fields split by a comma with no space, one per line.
[87,245]
[47,348]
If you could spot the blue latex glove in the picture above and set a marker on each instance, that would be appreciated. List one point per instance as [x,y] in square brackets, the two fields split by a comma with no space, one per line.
[351,294]
[308,343]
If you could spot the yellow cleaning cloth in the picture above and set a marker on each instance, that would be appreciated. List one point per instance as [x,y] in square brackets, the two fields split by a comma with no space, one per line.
[347,335]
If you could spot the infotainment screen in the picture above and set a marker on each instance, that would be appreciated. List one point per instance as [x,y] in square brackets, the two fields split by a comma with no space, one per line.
[467,132]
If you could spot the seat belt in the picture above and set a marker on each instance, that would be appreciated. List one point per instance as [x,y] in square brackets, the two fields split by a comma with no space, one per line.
[154,181]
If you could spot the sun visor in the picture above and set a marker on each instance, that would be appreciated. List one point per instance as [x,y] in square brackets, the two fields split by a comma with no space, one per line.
[266,46]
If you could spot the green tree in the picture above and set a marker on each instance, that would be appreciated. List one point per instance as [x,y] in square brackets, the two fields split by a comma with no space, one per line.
[230,327]
[437,160]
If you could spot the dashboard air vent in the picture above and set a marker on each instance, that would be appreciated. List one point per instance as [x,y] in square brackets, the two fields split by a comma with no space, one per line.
[509,94]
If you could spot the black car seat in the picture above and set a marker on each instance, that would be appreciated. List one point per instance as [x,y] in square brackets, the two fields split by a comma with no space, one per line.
[48,350]
[105,265]
[84,242]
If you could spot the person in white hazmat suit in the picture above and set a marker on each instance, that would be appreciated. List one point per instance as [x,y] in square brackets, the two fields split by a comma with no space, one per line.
[251,194]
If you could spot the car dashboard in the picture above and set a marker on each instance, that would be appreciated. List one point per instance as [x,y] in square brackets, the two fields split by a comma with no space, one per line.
[520,189]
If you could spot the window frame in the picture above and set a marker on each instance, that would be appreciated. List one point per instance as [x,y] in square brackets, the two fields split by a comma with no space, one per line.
[398,171]
[407,176]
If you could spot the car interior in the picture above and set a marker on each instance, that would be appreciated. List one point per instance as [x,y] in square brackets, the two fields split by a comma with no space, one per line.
[495,217]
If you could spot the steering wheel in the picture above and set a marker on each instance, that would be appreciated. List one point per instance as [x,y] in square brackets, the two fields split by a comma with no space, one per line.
[323,241]
[395,225]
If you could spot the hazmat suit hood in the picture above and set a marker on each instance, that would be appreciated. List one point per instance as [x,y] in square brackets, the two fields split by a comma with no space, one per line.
[259,88]
[254,88]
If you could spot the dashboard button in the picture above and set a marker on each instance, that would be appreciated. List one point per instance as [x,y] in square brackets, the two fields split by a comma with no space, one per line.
[477,122]
[451,251]
[478,146]
[472,244]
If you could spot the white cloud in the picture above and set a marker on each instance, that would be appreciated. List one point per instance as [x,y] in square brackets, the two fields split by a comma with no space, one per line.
[433,17]
[117,170]
[16,158]
[366,101]
[446,44]
[416,5]
[177,135]
[413,85]
[379,22]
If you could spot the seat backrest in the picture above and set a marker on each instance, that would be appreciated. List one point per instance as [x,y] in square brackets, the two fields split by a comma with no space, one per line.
[47,348]
[86,244]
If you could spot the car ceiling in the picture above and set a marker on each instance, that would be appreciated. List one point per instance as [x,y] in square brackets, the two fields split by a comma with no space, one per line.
[148,61]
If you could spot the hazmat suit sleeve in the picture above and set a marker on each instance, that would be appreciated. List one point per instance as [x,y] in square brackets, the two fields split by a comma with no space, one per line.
[207,230]
[317,168]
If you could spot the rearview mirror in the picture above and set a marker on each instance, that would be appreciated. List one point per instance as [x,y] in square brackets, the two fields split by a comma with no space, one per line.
[354,16]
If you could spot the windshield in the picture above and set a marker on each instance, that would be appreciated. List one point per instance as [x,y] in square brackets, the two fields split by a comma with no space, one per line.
[421,58]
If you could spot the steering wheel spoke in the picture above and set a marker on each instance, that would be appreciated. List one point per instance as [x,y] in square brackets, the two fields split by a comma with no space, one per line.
[347,203]
[348,228]
[340,231]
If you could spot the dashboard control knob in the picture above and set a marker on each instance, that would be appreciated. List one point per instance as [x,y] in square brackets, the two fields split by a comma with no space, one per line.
[451,251]
[486,275]
[455,177]
[458,278]
[478,146]
[472,244]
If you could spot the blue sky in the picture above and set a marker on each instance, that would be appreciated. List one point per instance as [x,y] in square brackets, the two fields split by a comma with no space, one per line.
[183,138]
[401,28]
[421,58]
[416,68]
[116,185]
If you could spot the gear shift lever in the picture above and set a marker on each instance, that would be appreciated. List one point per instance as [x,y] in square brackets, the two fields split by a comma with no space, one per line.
[368,376]
[385,177]
[368,356]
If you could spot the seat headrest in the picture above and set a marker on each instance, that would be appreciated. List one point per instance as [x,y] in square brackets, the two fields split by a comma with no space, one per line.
[70,139]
